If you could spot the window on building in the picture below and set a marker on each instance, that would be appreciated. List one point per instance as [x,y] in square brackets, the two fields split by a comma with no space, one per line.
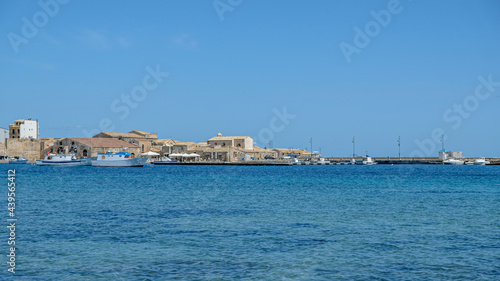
[85,153]
[72,143]
[60,143]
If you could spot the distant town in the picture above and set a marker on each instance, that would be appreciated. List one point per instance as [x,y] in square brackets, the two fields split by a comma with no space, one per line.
[22,139]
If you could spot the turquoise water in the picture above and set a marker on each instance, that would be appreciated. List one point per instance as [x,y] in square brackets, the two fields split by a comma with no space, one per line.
[401,222]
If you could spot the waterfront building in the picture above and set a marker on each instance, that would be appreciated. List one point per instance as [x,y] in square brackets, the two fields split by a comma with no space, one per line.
[142,139]
[242,142]
[86,147]
[24,129]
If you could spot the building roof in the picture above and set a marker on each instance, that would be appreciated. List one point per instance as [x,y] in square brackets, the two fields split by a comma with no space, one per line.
[123,135]
[165,141]
[103,142]
[141,133]
[260,149]
[228,138]
[183,143]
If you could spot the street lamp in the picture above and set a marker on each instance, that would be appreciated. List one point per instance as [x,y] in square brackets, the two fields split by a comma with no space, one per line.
[399,146]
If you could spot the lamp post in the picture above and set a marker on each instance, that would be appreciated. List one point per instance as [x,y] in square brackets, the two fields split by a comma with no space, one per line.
[353,147]
[399,146]
[311,141]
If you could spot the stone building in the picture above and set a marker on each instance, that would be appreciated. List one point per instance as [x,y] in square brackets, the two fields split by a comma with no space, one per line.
[86,147]
[142,139]
[182,147]
[242,142]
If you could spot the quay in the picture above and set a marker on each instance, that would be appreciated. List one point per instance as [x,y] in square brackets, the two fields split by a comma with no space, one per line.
[246,163]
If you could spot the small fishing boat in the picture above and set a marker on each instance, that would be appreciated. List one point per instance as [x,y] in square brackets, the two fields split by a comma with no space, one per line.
[164,161]
[18,160]
[453,162]
[367,160]
[63,160]
[119,159]
[481,161]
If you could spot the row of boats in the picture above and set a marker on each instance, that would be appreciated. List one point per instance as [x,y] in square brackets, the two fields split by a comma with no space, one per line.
[119,159]
[481,161]
[125,159]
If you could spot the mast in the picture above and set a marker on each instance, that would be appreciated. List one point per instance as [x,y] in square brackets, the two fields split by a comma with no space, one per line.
[353,147]
[311,141]
[399,146]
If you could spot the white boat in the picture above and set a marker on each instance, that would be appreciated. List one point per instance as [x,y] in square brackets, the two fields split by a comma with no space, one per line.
[453,162]
[119,159]
[481,161]
[164,161]
[19,160]
[367,160]
[323,161]
[63,160]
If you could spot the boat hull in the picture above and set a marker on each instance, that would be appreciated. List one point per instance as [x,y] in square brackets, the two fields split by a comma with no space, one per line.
[454,162]
[19,162]
[130,162]
[69,163]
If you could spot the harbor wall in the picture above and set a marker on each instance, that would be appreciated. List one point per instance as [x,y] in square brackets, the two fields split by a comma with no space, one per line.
[27,148]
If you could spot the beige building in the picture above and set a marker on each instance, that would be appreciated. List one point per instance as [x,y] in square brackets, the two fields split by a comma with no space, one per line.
[141,139]
[242,142]
[86,147]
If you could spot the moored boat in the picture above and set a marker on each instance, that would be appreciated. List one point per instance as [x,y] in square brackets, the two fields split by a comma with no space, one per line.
[63,160]
[367,160]
[19,160]
[119,159]
[481,161]
[453,162]
[164,161]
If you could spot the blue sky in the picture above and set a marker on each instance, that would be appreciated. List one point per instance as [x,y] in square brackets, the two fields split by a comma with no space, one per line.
[233,64]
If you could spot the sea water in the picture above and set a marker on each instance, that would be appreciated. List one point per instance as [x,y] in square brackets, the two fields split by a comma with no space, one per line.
[401,222]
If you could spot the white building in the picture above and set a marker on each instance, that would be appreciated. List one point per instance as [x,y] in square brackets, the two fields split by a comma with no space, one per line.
[446,154]
[24,129]
[4,134]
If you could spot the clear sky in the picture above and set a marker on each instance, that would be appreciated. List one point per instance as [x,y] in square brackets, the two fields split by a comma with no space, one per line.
[375,70]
